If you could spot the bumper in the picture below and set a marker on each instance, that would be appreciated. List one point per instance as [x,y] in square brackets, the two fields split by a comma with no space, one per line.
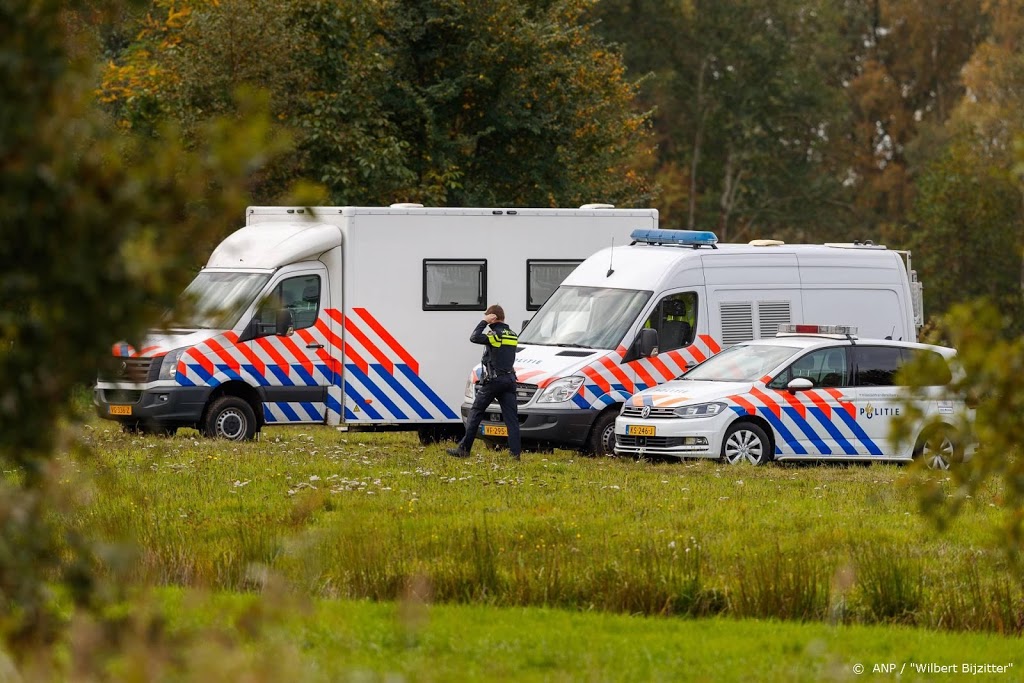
[562,428]
[692,439]
[163,407]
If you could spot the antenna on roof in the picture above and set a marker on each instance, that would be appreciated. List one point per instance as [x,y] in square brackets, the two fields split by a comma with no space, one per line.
[611,253]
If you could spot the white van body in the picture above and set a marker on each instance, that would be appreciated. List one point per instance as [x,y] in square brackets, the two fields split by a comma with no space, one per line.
[380,301]
[580,356]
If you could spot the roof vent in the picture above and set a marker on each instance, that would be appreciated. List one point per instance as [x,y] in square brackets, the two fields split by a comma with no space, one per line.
[766,243]
[598,206]
[406,205]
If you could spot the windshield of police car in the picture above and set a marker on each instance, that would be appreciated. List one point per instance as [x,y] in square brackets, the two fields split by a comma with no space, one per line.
[741,364]
[216,300]
[585,317]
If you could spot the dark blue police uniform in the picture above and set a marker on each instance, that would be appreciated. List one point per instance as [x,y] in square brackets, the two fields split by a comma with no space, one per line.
[498,383]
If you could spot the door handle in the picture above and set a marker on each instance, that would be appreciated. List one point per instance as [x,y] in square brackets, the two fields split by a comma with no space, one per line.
[314,346]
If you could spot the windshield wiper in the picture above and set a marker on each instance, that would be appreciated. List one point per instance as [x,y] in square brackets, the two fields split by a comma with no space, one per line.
[573,346]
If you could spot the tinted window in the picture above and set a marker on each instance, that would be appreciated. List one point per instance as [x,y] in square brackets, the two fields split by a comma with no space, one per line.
[675,319]
[927,368]
[877,365]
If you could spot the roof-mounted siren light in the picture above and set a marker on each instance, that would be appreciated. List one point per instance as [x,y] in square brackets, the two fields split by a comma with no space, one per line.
[794,328]
[597,206]
[679,238]
[406,205]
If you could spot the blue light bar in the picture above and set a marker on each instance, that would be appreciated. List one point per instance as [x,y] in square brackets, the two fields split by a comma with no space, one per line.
[685,238]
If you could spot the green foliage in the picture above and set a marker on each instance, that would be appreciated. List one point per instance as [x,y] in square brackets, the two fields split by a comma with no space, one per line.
[992,364]
[98,234]
[969,233]
[438,102]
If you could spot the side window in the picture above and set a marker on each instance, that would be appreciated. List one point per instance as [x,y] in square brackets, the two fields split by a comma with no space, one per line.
[543,277]
[824,367]
[454,284]
[930,369]
[675,319]
[300,295]
[877,365]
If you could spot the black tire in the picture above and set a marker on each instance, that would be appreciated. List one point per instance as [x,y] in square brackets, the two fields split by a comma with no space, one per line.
[602,435]
[231,418]
[939,448]
[745,441]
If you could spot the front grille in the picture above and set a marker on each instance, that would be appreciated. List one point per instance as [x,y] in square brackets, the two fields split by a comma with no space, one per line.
[656,413]
[115,369]
[524,392]
[656,442]
[121,395]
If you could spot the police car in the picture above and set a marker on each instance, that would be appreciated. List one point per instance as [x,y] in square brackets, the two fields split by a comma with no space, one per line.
[812,392]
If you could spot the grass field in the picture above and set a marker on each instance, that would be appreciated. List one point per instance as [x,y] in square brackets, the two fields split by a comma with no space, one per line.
[774,558]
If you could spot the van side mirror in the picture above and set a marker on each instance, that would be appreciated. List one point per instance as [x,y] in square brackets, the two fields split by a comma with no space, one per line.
[285,326]
[644,346]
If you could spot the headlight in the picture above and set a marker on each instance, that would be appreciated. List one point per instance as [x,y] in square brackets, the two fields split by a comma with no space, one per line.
[700,410]
[169,363]
[560,390]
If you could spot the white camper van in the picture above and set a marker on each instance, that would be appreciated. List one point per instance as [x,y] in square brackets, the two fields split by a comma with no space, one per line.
[635,316]
[347,315]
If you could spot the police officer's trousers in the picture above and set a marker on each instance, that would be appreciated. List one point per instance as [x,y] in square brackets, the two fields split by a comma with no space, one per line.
[502,389]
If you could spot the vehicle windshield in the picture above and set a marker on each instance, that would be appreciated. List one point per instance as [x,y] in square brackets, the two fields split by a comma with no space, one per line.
[216,300]
[585,317]
[741,364]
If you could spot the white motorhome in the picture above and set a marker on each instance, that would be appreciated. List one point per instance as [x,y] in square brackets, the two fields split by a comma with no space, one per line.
[347,316]
[635,316]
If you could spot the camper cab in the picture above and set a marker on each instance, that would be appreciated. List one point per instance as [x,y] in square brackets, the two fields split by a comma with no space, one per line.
[356,316]
[636,316]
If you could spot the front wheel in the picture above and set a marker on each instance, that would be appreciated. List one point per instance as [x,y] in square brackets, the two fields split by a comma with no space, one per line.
[745,441]
[602,435]
[230,417]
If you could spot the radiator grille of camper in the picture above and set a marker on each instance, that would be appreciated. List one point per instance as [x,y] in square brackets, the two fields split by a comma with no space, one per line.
[524,392]
[771,314]
[136,370]
[737,322]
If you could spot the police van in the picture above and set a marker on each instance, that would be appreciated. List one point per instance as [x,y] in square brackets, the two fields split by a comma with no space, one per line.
[635,316]
[355,316]
[811,393]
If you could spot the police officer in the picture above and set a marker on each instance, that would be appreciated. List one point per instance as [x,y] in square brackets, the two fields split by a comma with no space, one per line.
[498,382]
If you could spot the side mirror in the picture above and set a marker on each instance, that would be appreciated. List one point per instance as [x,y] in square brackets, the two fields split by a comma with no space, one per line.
[644,346]
[285,323]
[799,384]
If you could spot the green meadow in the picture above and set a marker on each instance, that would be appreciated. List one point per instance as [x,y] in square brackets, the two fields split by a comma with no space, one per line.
[558,567]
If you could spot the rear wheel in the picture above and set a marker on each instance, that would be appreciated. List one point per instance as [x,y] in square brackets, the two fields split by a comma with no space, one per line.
[746,442]
[939,448]
[602,435]
[230,417]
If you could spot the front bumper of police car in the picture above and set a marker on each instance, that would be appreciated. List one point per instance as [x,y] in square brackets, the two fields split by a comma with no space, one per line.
[688,431]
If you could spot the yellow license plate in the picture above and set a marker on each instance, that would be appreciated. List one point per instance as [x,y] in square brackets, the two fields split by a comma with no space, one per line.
[639,430]
[120,410]
[495,430]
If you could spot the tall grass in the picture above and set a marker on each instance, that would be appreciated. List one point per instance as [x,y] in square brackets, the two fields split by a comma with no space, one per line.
[353,515]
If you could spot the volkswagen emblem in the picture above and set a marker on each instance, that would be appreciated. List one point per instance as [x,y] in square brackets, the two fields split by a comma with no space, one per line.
[645,412]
